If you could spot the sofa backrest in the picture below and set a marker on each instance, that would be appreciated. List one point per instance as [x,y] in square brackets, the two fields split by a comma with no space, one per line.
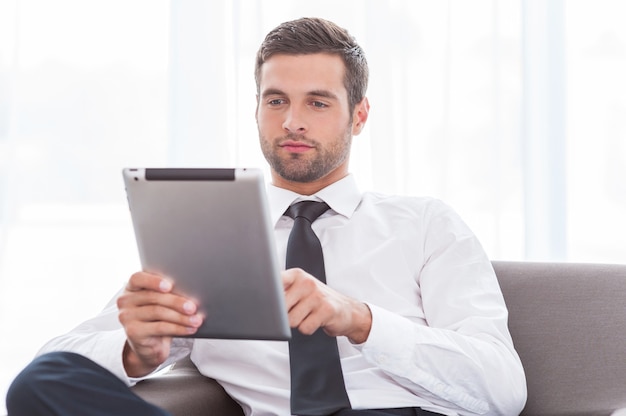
[568,323]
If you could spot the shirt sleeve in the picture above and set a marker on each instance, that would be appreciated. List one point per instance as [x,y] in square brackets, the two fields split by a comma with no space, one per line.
[102,340]
[463,357]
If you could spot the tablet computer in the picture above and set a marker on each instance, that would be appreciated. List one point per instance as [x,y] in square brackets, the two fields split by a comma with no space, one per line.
[209,230]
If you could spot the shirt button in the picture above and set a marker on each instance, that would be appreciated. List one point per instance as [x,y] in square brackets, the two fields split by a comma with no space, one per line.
[381,358]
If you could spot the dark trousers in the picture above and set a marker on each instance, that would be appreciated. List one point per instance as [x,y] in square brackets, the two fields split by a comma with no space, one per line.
[68,384]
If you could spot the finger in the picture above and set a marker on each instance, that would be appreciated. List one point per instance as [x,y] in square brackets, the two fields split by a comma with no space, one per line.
[157,313]
[298,314]
[288,277]
[149,281]
[139,323]
[138,331]
[172,301]
[306,320]
[310,314]
[301,287]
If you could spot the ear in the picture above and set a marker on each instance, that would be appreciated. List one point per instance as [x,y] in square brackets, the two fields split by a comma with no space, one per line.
[256,110]
[359,116]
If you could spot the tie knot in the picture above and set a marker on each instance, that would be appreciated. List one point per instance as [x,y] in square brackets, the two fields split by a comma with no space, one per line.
[310,210]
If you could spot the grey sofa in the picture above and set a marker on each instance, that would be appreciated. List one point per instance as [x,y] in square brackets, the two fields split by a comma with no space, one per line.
[568,322]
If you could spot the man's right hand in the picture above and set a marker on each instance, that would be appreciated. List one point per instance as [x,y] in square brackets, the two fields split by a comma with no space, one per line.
[151,315]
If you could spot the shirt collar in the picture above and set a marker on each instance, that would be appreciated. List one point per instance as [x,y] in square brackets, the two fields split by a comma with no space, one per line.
[343,197]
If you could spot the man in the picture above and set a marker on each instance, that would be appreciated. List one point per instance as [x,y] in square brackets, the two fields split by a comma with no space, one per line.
[410,300]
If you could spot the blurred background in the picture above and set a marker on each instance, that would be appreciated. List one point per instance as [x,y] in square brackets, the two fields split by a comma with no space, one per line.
[512,111]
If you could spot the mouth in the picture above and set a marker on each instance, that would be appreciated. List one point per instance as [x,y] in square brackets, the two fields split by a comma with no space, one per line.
[293,146]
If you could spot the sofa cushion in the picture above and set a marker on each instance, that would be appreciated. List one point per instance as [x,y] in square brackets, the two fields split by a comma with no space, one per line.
[183,391]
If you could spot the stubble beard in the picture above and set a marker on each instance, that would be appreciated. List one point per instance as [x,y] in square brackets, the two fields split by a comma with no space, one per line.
[298,167]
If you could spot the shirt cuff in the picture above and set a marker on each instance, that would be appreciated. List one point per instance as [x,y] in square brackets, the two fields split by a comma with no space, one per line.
[385,326]
[109,352]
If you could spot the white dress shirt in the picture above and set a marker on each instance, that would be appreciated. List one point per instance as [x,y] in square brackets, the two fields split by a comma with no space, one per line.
[439,338]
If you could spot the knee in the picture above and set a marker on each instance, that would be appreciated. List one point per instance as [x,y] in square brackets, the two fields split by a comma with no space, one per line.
[36,380]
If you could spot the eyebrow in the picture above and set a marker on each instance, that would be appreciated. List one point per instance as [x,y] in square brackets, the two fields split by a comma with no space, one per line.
[314,93]
[271,91]
[322,93]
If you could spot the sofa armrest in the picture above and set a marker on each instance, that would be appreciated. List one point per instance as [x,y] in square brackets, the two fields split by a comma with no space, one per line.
[568,323]
[184,391]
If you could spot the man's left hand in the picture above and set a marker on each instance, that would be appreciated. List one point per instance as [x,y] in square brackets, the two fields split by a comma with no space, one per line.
[312,305]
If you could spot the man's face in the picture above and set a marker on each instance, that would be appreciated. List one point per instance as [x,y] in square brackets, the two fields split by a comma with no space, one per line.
[305,124]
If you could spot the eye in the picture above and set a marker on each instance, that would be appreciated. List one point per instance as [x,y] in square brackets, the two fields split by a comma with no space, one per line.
[319,104]
[276,101]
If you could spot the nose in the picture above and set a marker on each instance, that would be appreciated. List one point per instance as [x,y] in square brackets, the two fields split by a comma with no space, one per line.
[294,121]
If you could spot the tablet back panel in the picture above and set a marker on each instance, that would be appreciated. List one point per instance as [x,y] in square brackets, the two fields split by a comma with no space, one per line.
[209,230]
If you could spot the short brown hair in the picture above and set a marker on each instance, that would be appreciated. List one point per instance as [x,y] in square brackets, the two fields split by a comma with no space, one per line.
[313,35]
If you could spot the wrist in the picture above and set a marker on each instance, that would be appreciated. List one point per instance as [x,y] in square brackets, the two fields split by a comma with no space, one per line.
[133,365]
[362,318]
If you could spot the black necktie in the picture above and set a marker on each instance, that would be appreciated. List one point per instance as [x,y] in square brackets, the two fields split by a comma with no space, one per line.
[317,386]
